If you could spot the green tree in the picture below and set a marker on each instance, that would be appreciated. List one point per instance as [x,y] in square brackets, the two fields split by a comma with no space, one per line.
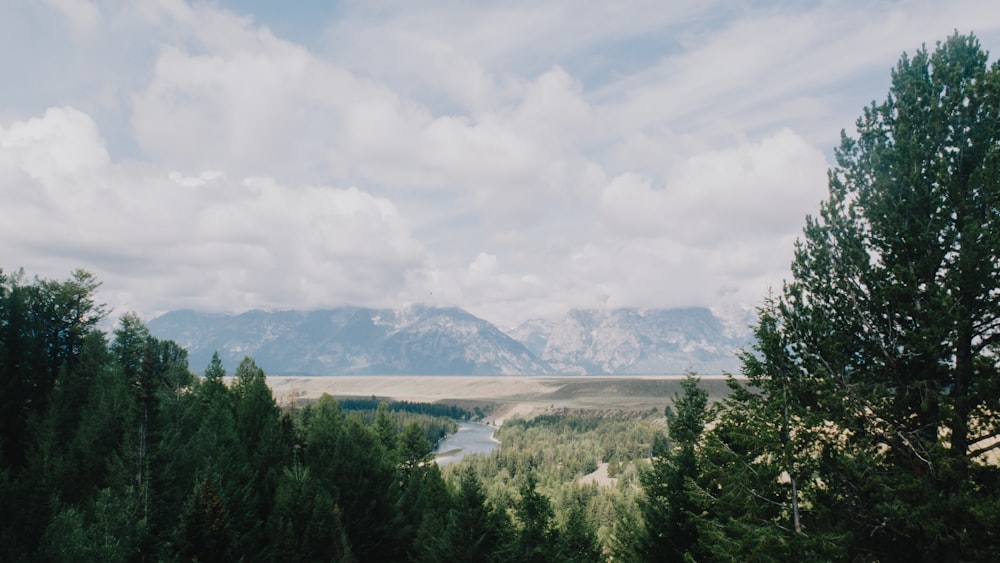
[537,535]
[412,447]
[215,370]
[110,536]
[425,505]
[475,530]
[43,329]
[305,524]
[223,456]
[151,463]
[50,352]
[878,364]
[213,391]
[669,508]
[259,429]
[347,459]
[576,540]
[131,348]
[205,532]
[385,428]
[751,466]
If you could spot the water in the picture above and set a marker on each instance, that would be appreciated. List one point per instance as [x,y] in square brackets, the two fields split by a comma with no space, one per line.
[471,438]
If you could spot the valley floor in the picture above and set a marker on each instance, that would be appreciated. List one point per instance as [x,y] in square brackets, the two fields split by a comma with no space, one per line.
[506,395]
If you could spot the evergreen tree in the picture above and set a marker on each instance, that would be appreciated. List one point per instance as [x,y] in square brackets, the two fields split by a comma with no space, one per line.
[475,530]
[576,540]
[50,351]
[65,538]
[131,348]
[425,505]
[215,371]
[213,391]
[347,459]
[669,508]
[156,376]
[115,532]
[537,535]
[223,456]
[628,531]
[305,524]
[179,417]
[258,428]
[412,447]
[385,428]
[43,329]
[873,391]
[205,532]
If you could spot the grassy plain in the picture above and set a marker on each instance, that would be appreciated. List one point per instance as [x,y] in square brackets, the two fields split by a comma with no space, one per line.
[501,396]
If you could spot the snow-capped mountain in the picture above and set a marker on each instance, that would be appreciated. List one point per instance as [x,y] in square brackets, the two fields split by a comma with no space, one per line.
[350,340]
[432,340]
[640,341]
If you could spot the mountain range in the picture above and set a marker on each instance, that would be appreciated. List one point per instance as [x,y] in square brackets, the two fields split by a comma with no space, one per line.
[446,340]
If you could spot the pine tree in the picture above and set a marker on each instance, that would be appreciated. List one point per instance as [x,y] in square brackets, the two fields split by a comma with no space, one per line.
[576,538]
[385,428]
[305,524]
[874,387]
[347,459]
[425,505]
[668,506]
[265,449]
[537,536]
[205,532]
[412,447]
[43,330]
[475,530]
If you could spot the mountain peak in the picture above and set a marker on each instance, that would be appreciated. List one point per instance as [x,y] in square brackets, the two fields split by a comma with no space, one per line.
[350,340]
[423,339]
[638,341]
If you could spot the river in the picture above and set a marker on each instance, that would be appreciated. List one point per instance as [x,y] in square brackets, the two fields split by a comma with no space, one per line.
[471,438]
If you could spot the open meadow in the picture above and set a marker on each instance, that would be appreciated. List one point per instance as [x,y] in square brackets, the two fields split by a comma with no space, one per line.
[501,396]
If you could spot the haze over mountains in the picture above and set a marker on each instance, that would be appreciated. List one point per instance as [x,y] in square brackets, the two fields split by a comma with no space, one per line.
[450,341]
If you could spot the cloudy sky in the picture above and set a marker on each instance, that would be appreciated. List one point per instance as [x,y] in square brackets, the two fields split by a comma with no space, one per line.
[513,158]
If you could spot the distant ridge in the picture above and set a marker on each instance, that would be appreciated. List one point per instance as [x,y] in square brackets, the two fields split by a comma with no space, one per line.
[640,341]
[350,340]
[450,341]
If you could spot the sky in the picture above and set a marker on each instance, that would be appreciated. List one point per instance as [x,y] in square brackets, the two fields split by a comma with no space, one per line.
[516,159]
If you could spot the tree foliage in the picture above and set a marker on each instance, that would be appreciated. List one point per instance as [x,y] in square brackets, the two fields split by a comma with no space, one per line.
[873,395]
[669,509]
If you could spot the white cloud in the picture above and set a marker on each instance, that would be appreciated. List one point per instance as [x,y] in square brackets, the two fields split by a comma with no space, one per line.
[516,159]
[63,143]
[82,16]
[553,108]
[238,110]
[755,190]
[444,66]
[263,101]
[484,264]
[203,241]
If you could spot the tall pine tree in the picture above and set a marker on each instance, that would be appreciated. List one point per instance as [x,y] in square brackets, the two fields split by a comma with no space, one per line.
[874,391]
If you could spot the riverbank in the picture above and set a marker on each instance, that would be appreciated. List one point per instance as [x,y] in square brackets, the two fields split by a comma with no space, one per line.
[471,438]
